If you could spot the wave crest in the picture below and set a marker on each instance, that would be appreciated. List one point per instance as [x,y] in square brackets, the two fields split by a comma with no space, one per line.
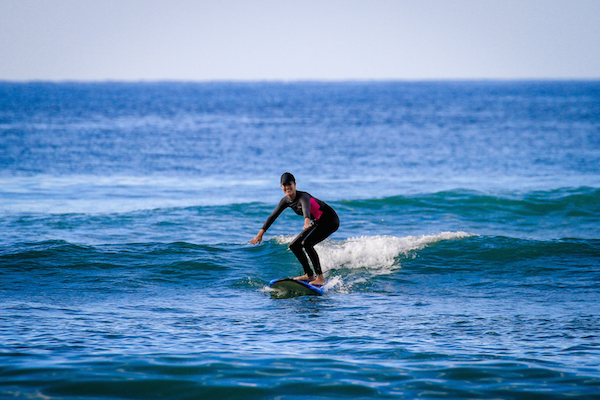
[373,252]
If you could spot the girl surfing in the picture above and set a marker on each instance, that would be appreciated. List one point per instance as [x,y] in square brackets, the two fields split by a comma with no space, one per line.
[320,221]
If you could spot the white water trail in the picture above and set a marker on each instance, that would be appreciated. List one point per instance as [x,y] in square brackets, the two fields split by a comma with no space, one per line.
[370,255]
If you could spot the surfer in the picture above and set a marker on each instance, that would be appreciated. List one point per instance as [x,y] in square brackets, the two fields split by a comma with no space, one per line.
[320,221]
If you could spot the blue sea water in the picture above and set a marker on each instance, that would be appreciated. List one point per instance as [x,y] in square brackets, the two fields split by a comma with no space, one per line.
[467,264]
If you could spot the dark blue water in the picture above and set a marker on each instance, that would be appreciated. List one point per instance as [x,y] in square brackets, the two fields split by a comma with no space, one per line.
[467,264]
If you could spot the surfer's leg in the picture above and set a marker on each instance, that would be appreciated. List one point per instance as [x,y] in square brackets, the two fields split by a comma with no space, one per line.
[296,247]
[316,263]
[313,238]
[322,230]
[314,259]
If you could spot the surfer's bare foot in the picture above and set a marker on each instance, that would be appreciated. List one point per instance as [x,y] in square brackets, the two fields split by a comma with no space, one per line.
[304,277]
[320,280]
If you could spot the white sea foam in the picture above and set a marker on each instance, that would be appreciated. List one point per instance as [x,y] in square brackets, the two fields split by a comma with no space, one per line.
[373,252]
[368,256]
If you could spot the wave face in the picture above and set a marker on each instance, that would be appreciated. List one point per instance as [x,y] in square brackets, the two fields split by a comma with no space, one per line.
[558,213]
[466,264]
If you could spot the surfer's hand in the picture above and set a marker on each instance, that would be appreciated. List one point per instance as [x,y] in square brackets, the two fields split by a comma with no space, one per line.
[306,223]
[258,238]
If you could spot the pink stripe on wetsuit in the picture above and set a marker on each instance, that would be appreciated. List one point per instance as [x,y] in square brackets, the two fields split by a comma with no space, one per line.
[315,209]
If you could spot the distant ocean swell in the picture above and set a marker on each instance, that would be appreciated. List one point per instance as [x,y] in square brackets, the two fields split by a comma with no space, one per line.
[554,214]
[581,201]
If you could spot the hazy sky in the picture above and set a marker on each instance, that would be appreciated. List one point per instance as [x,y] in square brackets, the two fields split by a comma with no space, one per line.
[298,39]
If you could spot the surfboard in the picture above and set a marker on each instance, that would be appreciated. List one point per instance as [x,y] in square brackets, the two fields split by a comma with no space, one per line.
[288,285]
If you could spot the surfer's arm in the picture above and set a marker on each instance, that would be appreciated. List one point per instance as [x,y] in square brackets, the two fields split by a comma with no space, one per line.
[305,204]
[278,210]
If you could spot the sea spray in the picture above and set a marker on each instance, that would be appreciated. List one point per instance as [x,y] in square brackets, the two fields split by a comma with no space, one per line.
[356,260]
[373,252]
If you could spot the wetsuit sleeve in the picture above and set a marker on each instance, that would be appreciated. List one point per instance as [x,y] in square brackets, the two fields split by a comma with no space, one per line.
[283,204]
[305,204]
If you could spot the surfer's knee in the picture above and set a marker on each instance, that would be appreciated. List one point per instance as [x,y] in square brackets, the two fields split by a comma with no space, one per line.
[296,245]
[306,244]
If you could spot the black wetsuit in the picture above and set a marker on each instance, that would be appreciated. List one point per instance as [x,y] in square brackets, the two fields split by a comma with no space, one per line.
[325,222]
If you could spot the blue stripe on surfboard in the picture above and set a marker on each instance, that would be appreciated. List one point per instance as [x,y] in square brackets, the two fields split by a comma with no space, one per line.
[292,285]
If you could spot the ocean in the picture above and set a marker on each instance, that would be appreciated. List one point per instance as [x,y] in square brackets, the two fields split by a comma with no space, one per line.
[466,266]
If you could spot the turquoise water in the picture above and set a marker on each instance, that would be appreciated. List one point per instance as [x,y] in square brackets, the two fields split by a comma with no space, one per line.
[466,264]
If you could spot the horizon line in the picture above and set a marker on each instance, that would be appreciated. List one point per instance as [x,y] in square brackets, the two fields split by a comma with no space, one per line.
[311,80]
